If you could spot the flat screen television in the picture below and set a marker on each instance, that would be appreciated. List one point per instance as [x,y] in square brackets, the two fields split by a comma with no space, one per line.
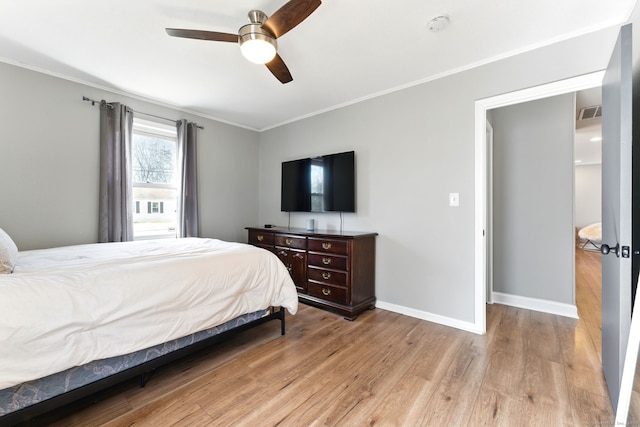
[319,184]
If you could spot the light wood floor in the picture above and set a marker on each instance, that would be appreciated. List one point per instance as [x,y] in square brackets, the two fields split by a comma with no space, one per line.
[531,369]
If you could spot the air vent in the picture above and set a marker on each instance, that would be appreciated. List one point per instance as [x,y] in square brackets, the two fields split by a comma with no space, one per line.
[590,112]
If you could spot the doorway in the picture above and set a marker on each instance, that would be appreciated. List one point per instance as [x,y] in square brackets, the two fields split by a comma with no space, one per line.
[588,212]
[482,108]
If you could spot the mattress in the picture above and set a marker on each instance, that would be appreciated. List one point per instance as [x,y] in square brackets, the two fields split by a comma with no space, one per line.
[36,391]
[65,307]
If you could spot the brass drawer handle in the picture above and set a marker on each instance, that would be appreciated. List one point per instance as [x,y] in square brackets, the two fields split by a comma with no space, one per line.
[326,261]
[326,275]
[260,238]
[326,292]
[326,245]
[288,242]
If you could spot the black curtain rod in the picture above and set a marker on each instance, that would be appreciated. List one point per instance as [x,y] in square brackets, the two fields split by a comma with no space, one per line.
[94,102]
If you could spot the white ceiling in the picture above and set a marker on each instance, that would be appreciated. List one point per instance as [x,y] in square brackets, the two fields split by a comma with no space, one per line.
[588,151]
[345,51]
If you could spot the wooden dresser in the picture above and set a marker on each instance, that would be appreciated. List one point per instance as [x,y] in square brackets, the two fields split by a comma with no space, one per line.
[331,270]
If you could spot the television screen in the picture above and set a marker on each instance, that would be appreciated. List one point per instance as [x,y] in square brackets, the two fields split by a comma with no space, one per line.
[319,184]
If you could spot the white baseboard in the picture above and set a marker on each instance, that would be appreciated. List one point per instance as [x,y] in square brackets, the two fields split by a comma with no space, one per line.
[425,315]
[535,304]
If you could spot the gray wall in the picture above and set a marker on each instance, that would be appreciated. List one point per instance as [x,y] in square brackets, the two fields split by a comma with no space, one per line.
[533,174]
[413,147]
[49,163]
[588,194]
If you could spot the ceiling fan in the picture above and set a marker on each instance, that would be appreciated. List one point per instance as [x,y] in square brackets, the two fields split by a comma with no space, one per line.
[258,39]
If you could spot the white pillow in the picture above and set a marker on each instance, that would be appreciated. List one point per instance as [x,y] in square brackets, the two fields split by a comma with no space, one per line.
[8,253]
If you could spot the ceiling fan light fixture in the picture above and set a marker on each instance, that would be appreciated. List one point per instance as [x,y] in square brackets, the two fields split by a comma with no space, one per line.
[257,40]
[256,44]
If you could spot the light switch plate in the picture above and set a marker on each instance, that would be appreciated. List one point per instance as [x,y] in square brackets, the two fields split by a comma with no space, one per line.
[454,199]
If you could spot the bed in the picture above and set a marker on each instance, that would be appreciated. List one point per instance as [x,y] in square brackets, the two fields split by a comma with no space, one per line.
[107,312]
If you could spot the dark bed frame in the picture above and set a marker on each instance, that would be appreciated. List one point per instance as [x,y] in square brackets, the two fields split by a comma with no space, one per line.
[29,415]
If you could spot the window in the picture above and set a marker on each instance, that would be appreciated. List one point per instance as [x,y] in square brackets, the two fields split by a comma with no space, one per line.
[317,185]
[155,179]
[155,207]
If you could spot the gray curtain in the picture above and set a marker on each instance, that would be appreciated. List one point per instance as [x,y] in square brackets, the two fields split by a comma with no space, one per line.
[115,214]
[188,194]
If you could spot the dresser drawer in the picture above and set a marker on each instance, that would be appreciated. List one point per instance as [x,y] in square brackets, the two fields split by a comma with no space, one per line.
[291,241]
[260,238]
[328,292]
[328,261]
[328,246]
[327,276]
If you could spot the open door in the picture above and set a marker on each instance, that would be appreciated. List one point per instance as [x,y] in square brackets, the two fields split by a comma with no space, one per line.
[616,210]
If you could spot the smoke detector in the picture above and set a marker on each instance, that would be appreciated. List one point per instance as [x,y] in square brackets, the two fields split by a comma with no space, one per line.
[438,23]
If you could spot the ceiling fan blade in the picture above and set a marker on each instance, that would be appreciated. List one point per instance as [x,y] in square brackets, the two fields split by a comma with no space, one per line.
[203,35]
[290,15]
[279,69]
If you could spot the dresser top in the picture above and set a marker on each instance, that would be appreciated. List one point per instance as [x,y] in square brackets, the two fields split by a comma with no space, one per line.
[315,233]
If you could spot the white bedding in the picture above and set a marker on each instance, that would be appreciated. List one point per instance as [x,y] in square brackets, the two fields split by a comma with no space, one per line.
[67,306]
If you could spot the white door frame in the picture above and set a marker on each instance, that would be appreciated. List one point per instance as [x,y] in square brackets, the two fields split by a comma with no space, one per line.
[561,87]
[488,221]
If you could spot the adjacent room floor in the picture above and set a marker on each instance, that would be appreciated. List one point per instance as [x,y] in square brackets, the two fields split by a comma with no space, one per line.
[531,369]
